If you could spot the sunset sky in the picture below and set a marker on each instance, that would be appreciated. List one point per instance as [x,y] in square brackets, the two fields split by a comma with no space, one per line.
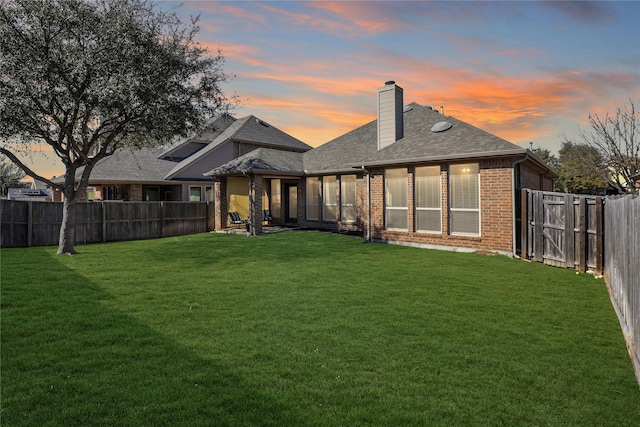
[525,71]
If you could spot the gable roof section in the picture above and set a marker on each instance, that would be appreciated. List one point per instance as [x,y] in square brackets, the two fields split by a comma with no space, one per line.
[189,146]
[256,131]
[264,161]
[420,144]
[359,147]
[127,165]
[248,129]
[342,153]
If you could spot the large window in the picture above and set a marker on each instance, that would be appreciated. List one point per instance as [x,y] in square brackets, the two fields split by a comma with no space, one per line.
[348,198]
[276,198]
[329,198]
[464,199]
[313,198]
[428,199]
[396,210]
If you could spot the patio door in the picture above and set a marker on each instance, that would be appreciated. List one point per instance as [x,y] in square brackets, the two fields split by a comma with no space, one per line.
[290,203]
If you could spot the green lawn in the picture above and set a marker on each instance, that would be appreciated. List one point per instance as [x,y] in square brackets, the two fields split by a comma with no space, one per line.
[305,329]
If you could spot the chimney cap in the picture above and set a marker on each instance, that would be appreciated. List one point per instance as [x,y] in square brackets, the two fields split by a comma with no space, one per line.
[390,82]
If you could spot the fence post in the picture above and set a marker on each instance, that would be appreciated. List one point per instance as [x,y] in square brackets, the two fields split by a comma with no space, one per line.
[29,223]
[524,224]
[569,232]
[104,221]
[538,219]
[161,219]
[581,237]
[599,235]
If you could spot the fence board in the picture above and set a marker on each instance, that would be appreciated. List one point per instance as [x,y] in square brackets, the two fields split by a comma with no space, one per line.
[622,268]
[563,229]
[38,223]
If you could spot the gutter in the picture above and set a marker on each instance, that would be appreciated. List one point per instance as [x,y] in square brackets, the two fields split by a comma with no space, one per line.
[513,200]
[368,234]
[438,159]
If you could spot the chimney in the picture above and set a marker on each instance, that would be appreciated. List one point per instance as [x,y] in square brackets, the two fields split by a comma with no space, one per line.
[390,120]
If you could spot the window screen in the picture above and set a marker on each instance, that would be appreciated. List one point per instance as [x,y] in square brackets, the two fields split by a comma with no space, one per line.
[396,210]
[465,199]
[428,199]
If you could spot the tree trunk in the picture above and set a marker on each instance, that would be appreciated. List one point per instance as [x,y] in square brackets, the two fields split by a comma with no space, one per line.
[68,227]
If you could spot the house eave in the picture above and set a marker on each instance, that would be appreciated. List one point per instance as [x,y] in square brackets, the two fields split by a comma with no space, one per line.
[445,158]
[245,172]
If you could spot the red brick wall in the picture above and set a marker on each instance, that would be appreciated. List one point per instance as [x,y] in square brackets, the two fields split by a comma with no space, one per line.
[496,212]
[220,189]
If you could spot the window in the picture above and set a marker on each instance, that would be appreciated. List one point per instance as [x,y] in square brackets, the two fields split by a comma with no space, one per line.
[276,198]
[195,194]
[428,199]
[465,199]
[152,194]
[348,198]
[210,193]
[313,198]
[330,198]
[91,193]
[396,210]
[112,193]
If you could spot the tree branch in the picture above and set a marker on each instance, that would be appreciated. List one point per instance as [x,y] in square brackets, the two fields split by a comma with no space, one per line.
[28,170]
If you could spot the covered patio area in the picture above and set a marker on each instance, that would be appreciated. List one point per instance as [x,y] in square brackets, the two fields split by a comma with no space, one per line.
[263,188]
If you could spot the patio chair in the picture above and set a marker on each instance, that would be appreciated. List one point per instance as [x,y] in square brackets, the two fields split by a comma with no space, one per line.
[266,216]
[236,219]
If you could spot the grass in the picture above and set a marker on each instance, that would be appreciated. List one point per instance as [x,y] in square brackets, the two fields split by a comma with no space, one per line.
[305,329]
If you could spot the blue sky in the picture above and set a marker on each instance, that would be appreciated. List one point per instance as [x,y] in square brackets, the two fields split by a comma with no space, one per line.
[525,71]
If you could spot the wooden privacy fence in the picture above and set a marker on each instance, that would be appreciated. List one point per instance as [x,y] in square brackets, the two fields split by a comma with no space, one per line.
[38,223]
[622,267]
[565,230]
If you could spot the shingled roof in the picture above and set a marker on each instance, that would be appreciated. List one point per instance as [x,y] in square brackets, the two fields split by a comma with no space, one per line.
[359,147]
[263,161]
[250,130]
[160,165]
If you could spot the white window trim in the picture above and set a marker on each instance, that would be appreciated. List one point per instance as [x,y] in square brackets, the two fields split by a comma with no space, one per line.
[349,205]
[318,201]
[324,203]
[439,209]
[386,217]
[419,230]
[467,210]
[395,208]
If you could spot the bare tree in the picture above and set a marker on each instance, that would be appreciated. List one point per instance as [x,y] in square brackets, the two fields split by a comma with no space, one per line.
[10,177]
[89,76]
[617,139]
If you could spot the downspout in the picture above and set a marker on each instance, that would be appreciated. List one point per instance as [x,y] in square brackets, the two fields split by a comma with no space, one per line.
[368,233]
[513,198]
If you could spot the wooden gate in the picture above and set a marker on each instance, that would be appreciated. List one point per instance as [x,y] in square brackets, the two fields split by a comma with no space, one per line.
[565,230]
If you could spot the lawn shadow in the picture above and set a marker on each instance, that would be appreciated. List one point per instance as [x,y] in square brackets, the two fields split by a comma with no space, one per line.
[69,359]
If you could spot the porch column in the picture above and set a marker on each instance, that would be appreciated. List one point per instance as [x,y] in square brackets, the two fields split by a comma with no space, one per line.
[220,188]
[255,204]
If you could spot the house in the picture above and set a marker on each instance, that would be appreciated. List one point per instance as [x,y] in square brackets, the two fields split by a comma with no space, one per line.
[29,194]
[175,172]
[412,176]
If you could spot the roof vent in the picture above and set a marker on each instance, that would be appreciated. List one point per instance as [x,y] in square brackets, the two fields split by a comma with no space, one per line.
[260,122]
[441,127]
[407,108]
